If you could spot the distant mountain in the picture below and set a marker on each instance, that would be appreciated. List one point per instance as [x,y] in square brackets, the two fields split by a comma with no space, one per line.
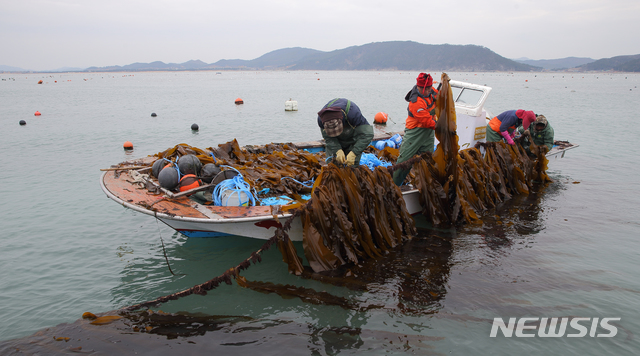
[556,64]
[190,65]
[273,60]
[408,55]
[395,55]
[391,55]
[12,69]
[68,69]
[630,66]
[619,63]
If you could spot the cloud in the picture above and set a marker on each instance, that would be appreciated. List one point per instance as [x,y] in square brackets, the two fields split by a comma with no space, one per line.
[47,34]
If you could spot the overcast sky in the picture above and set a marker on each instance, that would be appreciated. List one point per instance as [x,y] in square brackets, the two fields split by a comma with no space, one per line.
[50,34]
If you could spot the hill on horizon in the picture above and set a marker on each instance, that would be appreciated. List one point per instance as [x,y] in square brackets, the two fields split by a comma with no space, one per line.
[393,55]
[390,55]
[408,55]
[557,64]
[618,63]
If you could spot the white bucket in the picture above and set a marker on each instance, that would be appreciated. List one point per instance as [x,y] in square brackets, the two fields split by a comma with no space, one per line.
[233,197]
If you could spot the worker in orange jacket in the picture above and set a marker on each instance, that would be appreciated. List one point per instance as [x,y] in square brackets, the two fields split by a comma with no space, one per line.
[419,128]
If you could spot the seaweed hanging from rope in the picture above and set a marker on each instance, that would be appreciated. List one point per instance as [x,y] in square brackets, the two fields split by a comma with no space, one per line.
[354,214]
[459,186]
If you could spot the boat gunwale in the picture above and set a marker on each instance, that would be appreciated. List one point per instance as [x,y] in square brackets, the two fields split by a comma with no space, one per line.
[201,220]
[225,220]
[222,220]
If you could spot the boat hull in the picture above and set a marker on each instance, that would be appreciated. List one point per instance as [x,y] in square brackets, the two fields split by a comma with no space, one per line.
[196,220]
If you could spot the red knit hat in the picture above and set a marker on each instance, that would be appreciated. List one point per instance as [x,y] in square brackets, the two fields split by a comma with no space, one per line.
[527,117]
[424,79]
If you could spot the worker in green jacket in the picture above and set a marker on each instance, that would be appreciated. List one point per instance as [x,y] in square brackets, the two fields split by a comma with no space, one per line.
[345,131]
[540,131]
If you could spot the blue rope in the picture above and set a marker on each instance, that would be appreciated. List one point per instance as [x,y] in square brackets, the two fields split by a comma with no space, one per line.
[237,171]
[372,161]
[175,166]
[178,169]
[236,185]
[281,200]
[308,184]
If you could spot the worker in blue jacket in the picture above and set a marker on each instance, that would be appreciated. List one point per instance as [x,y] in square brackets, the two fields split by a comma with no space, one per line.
[504,125]
[345,131]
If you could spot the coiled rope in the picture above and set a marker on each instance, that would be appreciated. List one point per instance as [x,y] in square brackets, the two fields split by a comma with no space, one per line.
[236,185]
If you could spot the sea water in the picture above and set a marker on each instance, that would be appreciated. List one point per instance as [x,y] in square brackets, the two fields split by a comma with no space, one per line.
[570,250]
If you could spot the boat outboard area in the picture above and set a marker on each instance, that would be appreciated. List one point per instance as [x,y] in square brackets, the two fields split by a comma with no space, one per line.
[284,192]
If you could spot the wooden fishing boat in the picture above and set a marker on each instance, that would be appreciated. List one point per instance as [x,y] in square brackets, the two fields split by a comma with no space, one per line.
[194,219]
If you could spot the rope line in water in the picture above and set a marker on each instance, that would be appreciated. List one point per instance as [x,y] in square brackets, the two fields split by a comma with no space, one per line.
[226,276]
[164,251]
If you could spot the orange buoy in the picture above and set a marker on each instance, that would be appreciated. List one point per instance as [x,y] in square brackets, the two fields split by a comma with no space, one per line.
[128,145]
[239,101]
[188,182]
[380,118]
[37,113]
[40,81]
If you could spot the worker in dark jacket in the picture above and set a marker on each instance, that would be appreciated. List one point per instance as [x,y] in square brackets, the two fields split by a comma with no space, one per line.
[540,131]
[504,125]
[420,124]
[345,131]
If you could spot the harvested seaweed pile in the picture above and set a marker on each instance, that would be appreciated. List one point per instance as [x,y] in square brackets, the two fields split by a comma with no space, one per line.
[261,166]
[354,214]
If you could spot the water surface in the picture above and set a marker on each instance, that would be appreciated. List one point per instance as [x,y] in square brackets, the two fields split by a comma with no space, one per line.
[569,250]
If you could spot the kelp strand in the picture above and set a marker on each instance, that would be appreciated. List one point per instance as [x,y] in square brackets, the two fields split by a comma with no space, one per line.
[354,214]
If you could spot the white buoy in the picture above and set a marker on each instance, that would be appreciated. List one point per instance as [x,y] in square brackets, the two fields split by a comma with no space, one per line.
[290,105]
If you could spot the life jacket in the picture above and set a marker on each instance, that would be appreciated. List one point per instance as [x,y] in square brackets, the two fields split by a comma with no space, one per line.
[495,124]
[189,181]
[416,102]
